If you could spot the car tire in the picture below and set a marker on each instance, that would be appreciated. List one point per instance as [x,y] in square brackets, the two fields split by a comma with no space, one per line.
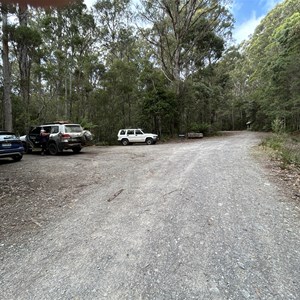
[17,157]
[125,142]
[52,148]
[149,141]
[77,149]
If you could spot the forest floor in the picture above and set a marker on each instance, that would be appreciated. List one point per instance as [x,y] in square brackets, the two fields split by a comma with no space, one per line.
[287,176]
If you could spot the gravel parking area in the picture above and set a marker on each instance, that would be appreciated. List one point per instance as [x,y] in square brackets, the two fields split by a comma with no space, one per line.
[193,219]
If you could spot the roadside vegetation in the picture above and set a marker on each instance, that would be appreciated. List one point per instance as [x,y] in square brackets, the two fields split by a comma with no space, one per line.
[286,147]
[283,149]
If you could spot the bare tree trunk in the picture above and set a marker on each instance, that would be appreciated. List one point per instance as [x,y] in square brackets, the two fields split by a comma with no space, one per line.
[24,64]
[6,73]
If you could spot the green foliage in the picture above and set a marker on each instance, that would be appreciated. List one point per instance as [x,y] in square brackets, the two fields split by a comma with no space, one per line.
[86,124]
[202,127]
[158,102]
[266,79]
[274,141]
[287,147]
[96,68]
[278,126]
[24,35]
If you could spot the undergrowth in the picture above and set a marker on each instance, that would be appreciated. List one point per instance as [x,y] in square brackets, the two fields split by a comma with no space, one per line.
[286,147]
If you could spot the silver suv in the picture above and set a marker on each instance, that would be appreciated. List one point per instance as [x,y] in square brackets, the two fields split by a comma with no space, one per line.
[62,136]
[129,136]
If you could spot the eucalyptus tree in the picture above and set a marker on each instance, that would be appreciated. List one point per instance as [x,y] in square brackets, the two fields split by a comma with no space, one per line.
[120,54]
[235,110]
[182,33]
[64,68]
[272,64]
[6,70]
[20,42]
[114,26]
[158,110]
[285,80]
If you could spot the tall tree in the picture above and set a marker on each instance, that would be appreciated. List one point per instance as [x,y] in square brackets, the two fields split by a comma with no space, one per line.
[25,40]
[271,65]
[178,27]
[180,30]
[68,54]
[8,122]
[24,60]
[113,18]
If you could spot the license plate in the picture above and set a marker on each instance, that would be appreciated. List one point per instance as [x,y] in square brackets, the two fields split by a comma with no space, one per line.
[6,145]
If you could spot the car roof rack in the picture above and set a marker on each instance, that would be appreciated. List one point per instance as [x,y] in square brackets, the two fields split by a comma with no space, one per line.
[57,122]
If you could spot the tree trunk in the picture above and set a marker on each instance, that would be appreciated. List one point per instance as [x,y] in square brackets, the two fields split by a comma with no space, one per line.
[6,73]
[24,63]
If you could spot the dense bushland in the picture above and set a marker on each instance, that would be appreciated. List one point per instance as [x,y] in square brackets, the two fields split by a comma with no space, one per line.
[164,66]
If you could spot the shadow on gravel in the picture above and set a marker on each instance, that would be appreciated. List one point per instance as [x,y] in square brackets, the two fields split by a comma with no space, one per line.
[7,161]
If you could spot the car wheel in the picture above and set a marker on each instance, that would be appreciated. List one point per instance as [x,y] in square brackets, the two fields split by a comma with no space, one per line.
[149,141]
[52,148]
[125,142]
[76,150]
[17,157]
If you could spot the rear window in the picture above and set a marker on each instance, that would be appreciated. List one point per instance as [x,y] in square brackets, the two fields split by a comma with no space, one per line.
[73,128]
[7,135]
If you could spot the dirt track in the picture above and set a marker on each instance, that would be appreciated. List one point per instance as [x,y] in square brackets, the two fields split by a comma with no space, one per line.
[192,220]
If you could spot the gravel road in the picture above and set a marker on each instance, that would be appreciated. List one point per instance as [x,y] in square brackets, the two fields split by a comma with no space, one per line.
[195,219]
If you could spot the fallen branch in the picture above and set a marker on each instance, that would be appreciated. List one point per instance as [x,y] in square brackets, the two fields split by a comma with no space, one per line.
[36,222]
[115,195]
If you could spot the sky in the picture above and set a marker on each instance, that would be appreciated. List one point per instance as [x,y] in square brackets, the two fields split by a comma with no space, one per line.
[247,14]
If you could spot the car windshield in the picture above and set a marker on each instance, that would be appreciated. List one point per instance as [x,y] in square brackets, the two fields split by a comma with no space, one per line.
[73,128]
[7,135]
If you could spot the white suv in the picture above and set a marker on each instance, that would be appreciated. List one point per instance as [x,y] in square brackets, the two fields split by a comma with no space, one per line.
[129,136]
[62,136]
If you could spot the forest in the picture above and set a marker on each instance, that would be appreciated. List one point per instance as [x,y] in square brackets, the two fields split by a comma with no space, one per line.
[161,65]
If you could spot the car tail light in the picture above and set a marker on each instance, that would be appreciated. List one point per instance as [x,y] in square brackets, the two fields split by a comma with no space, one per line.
[65,136]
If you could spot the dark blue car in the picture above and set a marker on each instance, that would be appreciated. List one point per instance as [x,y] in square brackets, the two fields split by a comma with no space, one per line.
[10,146]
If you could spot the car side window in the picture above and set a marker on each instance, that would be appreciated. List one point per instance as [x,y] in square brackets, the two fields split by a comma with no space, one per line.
[138,132]
[47,129]
[122,132]
[54,129]
[130,132]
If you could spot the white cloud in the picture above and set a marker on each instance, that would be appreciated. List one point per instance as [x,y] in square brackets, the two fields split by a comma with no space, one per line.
[89,3]
[247,28]
[244,30]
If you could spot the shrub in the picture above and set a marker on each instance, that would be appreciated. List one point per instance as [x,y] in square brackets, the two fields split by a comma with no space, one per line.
[278,126]
[200,127]
[286,146]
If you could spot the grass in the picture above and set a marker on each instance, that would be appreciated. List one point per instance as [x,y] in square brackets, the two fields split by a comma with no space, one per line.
[286,147]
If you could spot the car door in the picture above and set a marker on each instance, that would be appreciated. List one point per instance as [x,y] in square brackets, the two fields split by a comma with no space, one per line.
[34,136]
[48,129]
[139,136]
[131,135]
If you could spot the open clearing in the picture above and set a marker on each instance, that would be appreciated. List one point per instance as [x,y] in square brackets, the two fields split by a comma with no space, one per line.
[199,219]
